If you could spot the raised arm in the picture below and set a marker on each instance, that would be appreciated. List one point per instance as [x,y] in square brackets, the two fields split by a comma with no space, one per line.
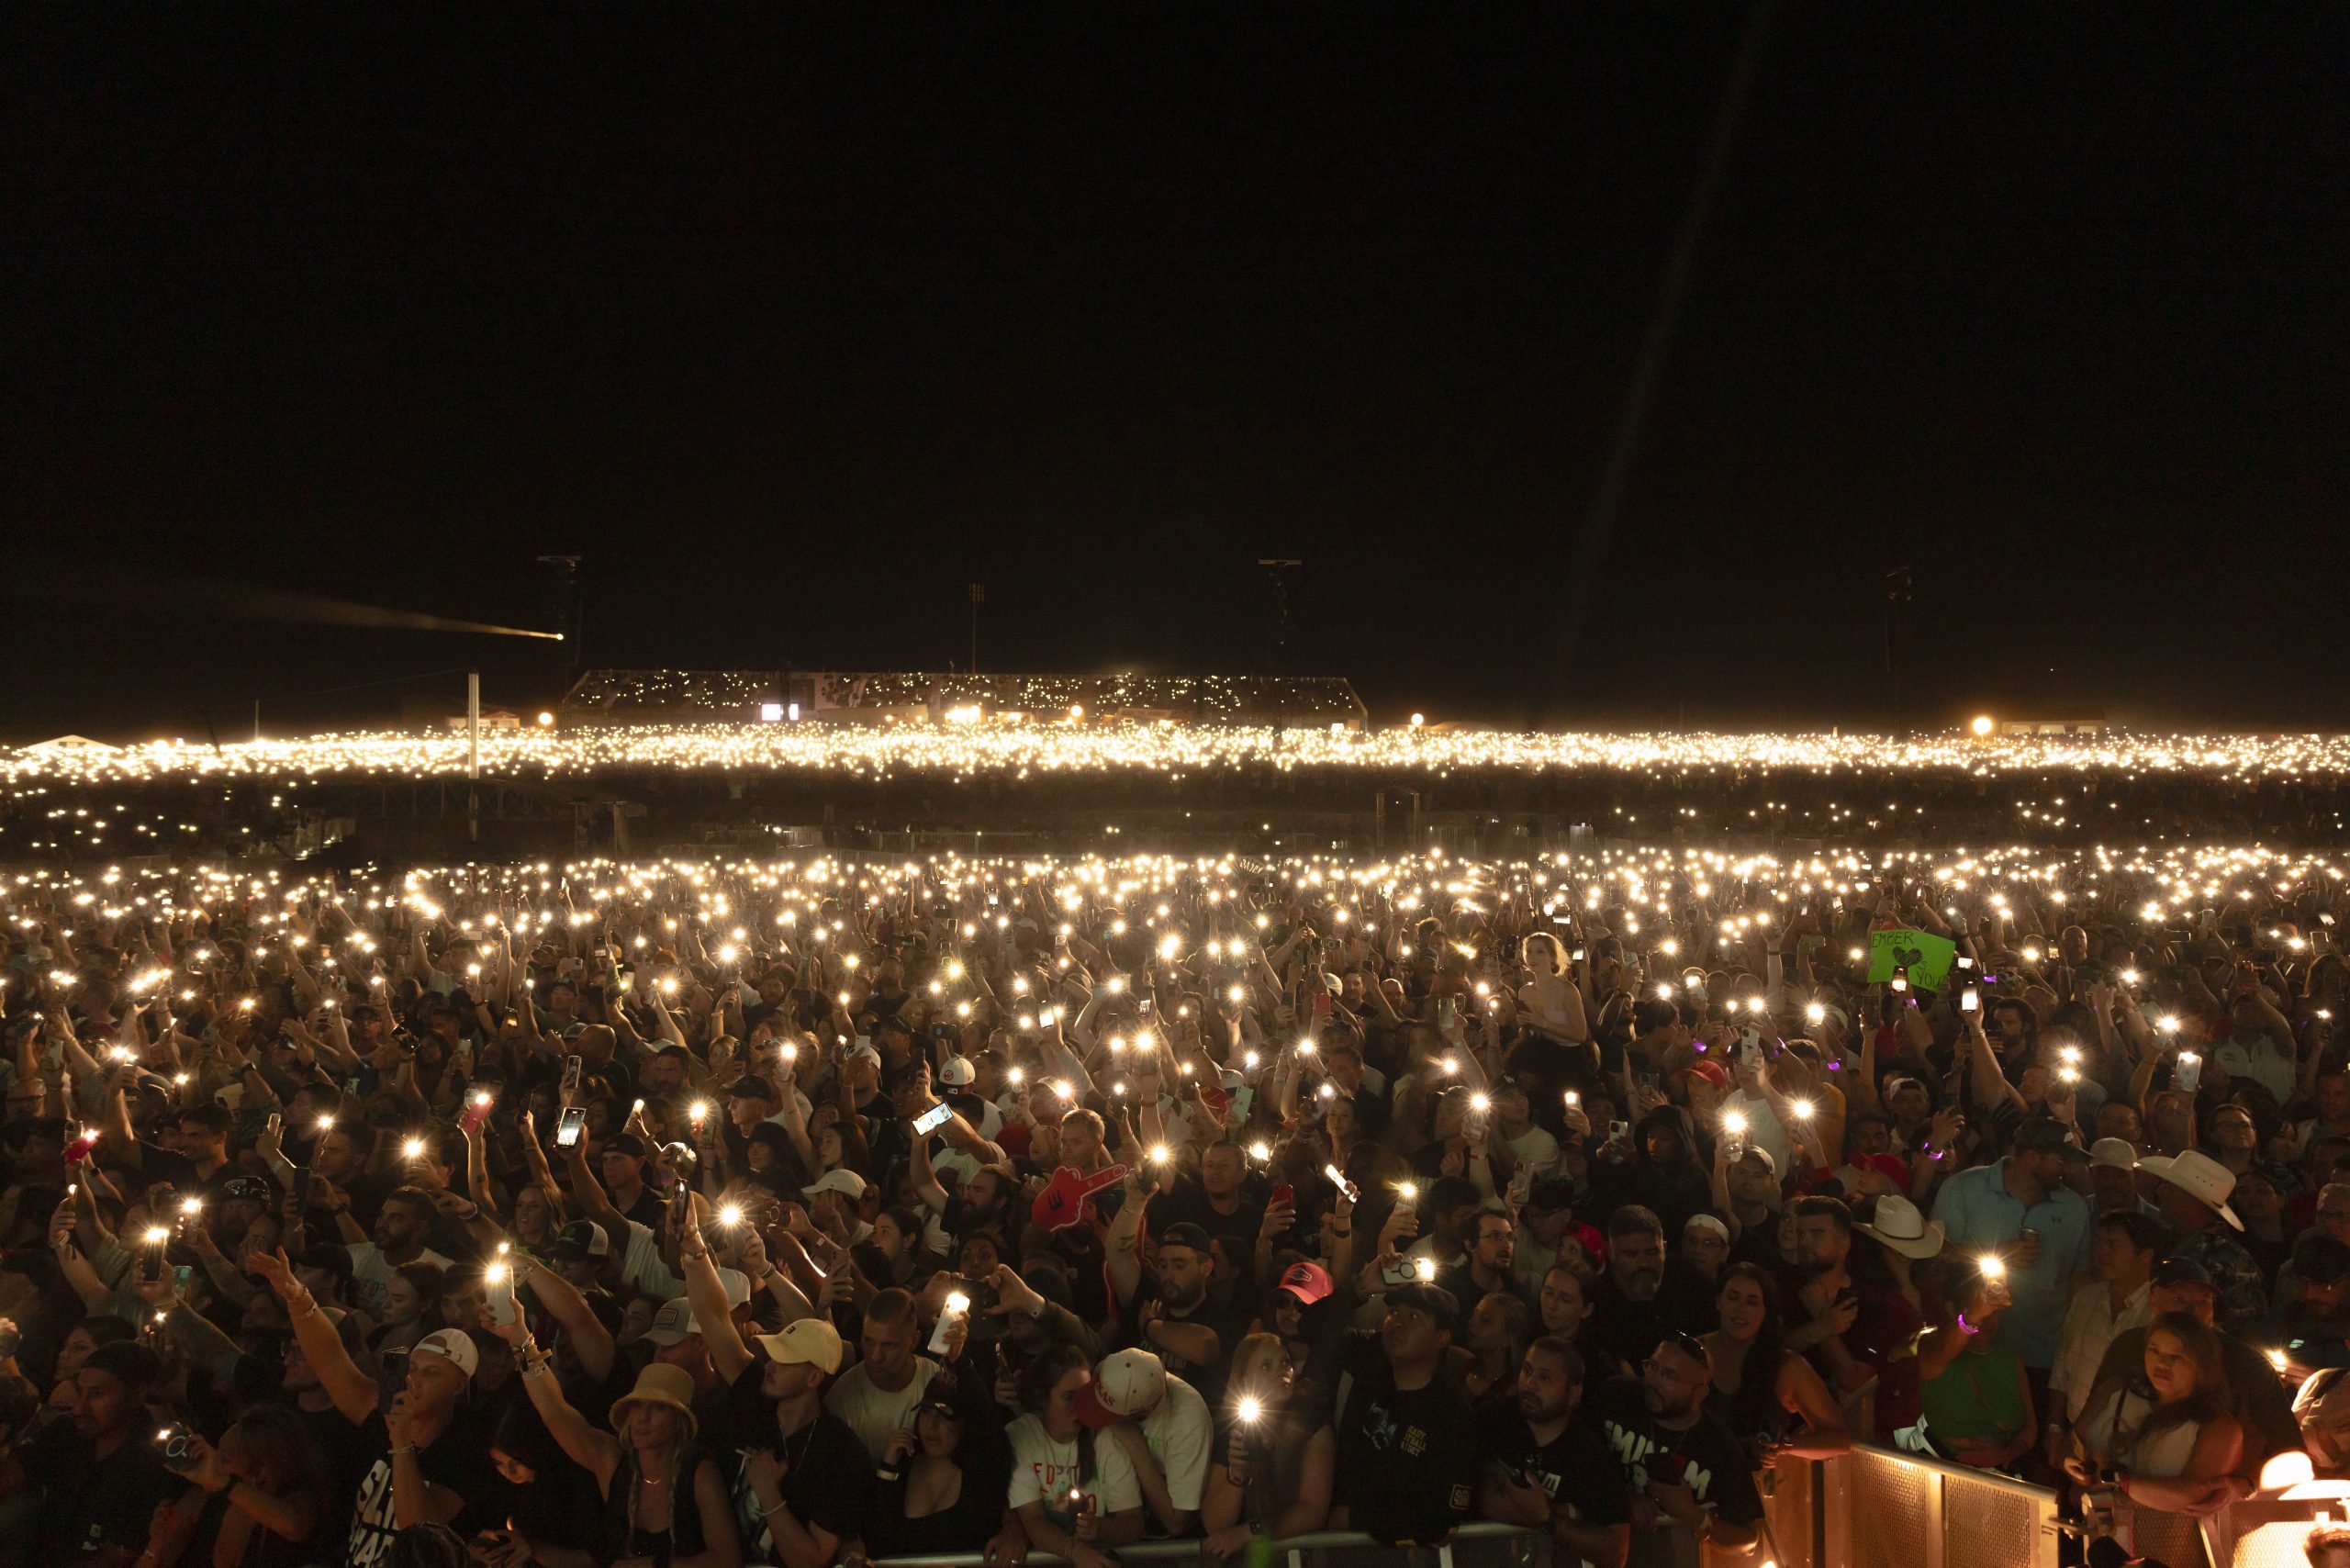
[597,1451]
[728,1354]
[353,1392]
[590,1340]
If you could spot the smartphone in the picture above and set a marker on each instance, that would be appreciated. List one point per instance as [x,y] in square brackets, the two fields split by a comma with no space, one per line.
[180,1274]
[1400,1273]
[930,1121]
[1284,1193]
[177,1445]
[1619,1132]
[572,1067]
[567,1130]
[2188,1072]
[1338,1180]
[1448,1012]
[1578,954]
[1971,1000]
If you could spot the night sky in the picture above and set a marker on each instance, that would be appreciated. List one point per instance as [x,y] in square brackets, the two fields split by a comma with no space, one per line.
[793,320]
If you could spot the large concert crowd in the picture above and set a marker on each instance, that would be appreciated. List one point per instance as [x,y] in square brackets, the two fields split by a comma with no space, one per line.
[689,1216]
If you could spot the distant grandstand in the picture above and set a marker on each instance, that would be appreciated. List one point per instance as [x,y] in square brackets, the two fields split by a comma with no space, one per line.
[603,697]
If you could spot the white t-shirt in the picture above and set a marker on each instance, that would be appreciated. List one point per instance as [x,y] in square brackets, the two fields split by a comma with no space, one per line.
[1180,1432]
[1762,1128]
[873,1414]
[1042,1471]
[641,1267]
[2263,1060]
[371,1271]
[1535,1150]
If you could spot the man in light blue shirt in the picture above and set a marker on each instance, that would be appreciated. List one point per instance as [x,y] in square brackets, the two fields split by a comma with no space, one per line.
[1991,1208]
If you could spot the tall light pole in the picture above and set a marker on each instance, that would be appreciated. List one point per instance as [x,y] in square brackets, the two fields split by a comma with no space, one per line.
[569,610]
[1898,593]
[473,756]
[1278,571]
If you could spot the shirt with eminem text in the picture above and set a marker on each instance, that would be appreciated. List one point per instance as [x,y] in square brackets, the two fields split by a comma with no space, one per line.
[457,1459]
[1575,1469]
[1707,1458]
[1408,1458]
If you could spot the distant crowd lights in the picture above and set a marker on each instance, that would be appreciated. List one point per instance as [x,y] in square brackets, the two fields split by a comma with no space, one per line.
[738,908]
[973,744]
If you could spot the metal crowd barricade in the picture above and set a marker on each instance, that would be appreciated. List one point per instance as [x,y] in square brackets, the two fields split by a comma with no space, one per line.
[1871,1508]
[1480,1544]
[1875,1508]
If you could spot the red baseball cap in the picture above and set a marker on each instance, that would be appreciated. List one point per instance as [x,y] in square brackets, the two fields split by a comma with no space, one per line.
[1712,1072]
[1309,1283]
[1062,1202]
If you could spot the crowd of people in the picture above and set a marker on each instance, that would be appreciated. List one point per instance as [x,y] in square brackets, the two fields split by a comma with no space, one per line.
[689,1216]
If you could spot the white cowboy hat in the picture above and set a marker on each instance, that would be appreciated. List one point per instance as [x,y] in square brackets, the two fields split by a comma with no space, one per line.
[2199,1176]
[1900,1226]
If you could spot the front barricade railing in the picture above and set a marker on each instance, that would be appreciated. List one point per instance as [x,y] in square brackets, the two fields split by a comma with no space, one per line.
[1873,1508]
[1478,1544]
[1870,1507]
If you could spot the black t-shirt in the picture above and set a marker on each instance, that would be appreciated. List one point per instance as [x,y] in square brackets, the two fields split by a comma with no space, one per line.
[1207,1380]
[1408,1458]
[827,1480]
[94,1504]
[1575,1469]
[1628,1331]
[732,1415]
[1706,1458]
[560,1507]
[344,1454]
[1188,1203]
[458,1459]
[647,1210]
[1546,1067]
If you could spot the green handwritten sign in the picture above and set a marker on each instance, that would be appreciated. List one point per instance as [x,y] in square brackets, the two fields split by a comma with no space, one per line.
[1927,958]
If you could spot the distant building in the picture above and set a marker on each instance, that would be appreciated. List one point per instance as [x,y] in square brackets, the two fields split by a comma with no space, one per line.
[881,697]
[2072,721]
[491,719]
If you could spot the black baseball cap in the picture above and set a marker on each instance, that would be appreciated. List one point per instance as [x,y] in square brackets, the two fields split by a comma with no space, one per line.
[626,1143]
[2046,1135]
[1183,1233]
[2182,1272]
[1551,1194]
[1435,1300]
[2321,1260]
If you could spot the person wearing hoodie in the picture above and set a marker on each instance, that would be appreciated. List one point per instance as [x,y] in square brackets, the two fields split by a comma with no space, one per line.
[1661,1174]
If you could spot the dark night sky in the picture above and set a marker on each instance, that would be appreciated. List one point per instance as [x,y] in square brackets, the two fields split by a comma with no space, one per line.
[795,325]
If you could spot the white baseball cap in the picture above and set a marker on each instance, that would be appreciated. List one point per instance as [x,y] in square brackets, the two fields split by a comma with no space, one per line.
[844,1180]
[454,1345]
[2114,1153]
[1128,1384]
